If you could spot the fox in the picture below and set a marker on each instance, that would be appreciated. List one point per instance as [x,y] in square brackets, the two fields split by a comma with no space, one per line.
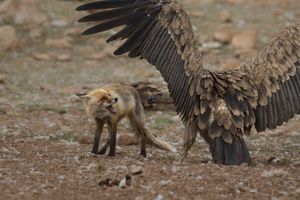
[110,104]
[161,97]
[161,100]
[145,90]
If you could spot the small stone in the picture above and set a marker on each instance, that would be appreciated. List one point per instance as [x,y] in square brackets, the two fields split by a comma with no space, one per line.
[211,45]
[61,177]
[74,98]
[224,34]
[127,139]
[91,166]
[64,57]
[225,16]
[41,56]
[96,56]
[289,16]
[245,54]
[59,23]
[62,43]
[245,40]
[197,14]
[85,140]
[274,172]
[4,150]
[126,181]
[159,197]
[8,38]
[136,170]
[165,182]
[273,160]
[35,33]
[253,190]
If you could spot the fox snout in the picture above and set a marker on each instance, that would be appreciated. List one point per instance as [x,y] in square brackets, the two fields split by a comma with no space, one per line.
[151,99]
[115,100]
[110,106]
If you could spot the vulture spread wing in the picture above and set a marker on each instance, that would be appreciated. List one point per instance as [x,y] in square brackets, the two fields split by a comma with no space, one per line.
[264,92]
[276,74]
[158,31]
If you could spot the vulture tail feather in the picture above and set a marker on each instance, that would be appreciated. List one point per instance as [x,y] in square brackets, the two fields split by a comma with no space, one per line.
[235,153]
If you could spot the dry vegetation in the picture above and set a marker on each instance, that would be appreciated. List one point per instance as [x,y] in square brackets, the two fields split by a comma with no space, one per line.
[45,136]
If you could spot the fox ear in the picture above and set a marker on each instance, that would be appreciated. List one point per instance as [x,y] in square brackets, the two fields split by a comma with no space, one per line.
[83,96]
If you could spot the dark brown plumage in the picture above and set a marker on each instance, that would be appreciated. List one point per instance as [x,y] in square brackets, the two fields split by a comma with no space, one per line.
[222,106]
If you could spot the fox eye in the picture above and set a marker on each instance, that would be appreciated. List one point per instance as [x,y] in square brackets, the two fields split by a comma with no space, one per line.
[100,99]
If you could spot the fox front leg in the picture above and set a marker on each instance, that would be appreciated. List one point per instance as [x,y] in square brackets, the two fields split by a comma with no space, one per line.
[97,136]
[113,139]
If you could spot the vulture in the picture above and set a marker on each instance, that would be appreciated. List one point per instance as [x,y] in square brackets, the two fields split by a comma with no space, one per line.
[222,106]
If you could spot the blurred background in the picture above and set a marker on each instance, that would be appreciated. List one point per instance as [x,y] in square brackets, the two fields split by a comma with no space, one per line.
[45,133]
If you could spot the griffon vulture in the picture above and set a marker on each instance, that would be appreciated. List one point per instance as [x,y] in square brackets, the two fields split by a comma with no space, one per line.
[222,106]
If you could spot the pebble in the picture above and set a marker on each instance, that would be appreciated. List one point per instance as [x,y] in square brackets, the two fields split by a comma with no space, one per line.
[8,38]
[41,56]
[224,34]
[245,40]
[127,139]
[212,45]
[225,16]
[136,170]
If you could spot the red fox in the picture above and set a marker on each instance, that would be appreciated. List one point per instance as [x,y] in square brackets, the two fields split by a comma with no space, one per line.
[112,103]
[145,90]
[161,97]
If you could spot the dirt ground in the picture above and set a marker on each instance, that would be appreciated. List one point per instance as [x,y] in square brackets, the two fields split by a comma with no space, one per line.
[45,135]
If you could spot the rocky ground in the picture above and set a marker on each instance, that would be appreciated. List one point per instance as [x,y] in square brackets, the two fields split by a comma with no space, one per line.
[45,135]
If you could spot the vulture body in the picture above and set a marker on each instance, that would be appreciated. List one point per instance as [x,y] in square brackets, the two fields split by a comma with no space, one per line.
[222,106]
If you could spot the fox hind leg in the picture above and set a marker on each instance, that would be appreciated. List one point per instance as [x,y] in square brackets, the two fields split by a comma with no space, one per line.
[137,123]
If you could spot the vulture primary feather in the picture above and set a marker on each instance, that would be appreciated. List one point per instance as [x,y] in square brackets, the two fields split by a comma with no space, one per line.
[221,106]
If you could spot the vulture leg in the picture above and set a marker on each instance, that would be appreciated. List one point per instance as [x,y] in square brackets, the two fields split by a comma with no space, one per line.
[190,134]
[235,153]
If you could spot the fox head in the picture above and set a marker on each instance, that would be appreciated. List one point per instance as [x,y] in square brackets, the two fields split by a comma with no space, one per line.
[99,103]
[161,97]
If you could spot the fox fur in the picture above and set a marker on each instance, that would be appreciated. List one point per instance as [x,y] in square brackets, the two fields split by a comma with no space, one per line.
[109,105]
